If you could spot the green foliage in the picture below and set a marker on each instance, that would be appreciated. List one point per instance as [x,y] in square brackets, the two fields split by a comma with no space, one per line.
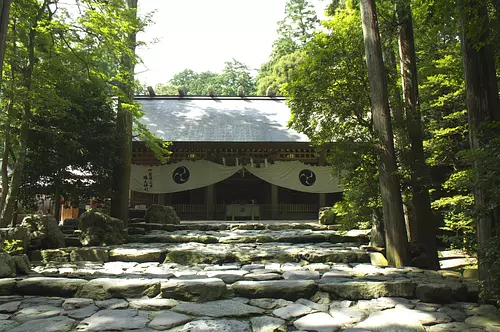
[13,247]
[234,75]
[61,67]
[488,256]
[294,32]
[329,99]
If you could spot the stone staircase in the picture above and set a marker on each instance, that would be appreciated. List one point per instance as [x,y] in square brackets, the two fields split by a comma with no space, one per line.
[238,277]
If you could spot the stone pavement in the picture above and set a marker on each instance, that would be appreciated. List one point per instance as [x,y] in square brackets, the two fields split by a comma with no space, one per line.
[251,277]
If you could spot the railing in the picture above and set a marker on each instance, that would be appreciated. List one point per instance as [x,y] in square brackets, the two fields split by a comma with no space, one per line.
[298,208]
[264,208]
[189,208]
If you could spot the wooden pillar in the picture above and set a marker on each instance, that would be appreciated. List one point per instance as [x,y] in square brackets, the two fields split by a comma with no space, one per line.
[162,199]
[209,201]
[274,202]
[322,200]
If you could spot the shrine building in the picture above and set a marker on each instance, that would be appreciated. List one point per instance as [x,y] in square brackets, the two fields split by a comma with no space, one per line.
[232,158]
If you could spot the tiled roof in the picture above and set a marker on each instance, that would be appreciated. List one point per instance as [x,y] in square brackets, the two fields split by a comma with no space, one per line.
[219,119]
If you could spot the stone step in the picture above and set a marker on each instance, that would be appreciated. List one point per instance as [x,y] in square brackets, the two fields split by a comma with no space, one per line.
[214,282]
[251,236]
[231,225]
[37,314]
[212,253]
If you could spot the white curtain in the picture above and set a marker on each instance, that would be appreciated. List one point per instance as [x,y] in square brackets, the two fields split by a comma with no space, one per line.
[181,176]
[298,176]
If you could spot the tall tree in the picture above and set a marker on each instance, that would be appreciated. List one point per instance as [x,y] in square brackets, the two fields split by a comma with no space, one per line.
[4,26]
[121,175]
[294,31]
[396,238]
[422,224]
[34,12]
[483,106]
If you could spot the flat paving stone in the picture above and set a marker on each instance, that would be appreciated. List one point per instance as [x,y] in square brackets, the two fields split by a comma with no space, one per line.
[114,320]
[36,312]
[319,321]
[267,324]
[168,319]
[292,311]
[7,325]
[81,313]
[9,307]
[221,325]
[52,324]
[222,308]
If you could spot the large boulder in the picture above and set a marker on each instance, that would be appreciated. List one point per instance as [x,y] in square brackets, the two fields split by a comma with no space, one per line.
[161,214]
[7,265]
[99,229]
[326,216]
[44,232]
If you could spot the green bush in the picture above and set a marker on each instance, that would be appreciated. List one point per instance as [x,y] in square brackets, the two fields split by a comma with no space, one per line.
[13,247]
[488,257]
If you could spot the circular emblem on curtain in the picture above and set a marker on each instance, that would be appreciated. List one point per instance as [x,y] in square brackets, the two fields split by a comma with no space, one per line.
[181,175]
[307,177]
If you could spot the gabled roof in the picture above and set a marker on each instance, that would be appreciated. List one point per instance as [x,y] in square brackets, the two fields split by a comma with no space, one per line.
[219,119]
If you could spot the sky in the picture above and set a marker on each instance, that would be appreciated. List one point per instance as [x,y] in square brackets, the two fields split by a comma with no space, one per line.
[203,34]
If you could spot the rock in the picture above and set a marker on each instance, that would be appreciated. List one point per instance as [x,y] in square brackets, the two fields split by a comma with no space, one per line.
[434,293]
[392,320]
[285,289]
[292,311]
[313,305]
[490,323]
[168,319]
[8,325]
[99,229]
[221,308]
[378,259]
[22,263]
[95,254]
[112,304]
[422,306]
[191,257]
[54,256]
[81,313]
[64,287]
[36,312]
[18,234]
[7,265]
[348,316]
[152,304]
[76,303]
[44,232]
[221,325]
[114,320]
[200,290]
[326,216]
[320,322]
[9,307]
[301,275]
[137,255]
[268,324]
[457,315]
[160,214]
[53,324]
[449,327]
[106,288]
[357,290]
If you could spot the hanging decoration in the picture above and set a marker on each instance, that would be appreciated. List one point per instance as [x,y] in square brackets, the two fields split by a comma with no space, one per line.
[181,176]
